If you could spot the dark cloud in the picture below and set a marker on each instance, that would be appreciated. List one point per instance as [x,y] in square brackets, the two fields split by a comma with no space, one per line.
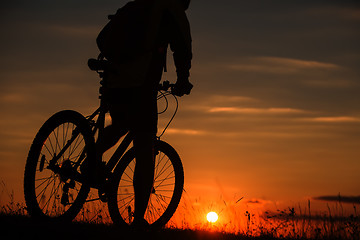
[253,202]
[293,29]
[59,11]
[339,198]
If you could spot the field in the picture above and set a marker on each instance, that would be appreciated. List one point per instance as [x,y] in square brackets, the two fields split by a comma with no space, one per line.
[238,223]
[22,227]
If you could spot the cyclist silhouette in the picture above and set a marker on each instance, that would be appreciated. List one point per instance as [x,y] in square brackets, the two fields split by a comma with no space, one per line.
[132,86]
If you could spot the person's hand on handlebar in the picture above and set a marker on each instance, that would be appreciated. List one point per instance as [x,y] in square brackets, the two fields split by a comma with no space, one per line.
[181,87]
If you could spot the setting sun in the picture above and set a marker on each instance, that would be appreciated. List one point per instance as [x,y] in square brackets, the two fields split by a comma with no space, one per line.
[212,217]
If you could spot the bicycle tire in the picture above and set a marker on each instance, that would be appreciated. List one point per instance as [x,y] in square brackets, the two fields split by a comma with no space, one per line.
[166,194]
[46,196]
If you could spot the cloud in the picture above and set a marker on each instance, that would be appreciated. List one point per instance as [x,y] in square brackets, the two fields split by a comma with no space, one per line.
[255,110]
[296,63]
[184,131]
[329,83]
[205,102]
[338,198]
[257,201]
[230,99]
[13,97]
[335,119]
[280,65]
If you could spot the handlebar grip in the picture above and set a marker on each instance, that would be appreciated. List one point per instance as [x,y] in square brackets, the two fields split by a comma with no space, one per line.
[166,85]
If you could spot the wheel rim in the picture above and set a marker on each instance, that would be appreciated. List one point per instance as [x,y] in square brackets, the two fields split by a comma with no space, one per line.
[55,190]
[161,196]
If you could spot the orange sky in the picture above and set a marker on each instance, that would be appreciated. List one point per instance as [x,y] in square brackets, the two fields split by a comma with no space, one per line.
[274,114]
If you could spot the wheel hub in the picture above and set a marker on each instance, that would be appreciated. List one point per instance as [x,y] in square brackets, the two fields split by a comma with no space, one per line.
[66,170]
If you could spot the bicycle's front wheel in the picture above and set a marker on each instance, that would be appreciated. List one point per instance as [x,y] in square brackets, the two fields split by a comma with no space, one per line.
[166,193]
[52,185]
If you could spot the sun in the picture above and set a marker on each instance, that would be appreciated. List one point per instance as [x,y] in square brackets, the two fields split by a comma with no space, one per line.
[212,217]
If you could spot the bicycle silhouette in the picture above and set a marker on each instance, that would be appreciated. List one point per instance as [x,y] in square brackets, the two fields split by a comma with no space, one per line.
[56,187]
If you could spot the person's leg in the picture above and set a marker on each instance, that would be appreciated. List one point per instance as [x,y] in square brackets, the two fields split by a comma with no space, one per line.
[119,112]
[144,171]
[144,140]
[94,167]
[111,135]
[145,128]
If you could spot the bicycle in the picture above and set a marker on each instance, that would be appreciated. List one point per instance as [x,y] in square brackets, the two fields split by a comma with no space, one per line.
[55,186]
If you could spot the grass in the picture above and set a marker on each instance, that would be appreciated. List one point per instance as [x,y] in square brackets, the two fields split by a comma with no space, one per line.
[39,231]
[93,222]
[290,223]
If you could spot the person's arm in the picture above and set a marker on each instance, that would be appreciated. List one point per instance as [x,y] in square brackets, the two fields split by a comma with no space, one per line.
[181,46]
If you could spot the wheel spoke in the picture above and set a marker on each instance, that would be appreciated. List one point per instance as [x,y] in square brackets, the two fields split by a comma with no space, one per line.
[51,145]
[54,189]
[51,154]
[51,180]
[126,203]
[165,190]
[164,179]
[128,176]
[76,145]
[161,201]
[124,198]
[158,162]
[129,181]
[41,179]
[168,178]
[163,169]
[75,148]
[45,180]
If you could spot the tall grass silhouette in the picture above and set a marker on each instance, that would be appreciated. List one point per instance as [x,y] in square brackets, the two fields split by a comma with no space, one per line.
[300,222]
[235,218]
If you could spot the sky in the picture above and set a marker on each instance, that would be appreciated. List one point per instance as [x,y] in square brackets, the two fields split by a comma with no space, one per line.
[274,115]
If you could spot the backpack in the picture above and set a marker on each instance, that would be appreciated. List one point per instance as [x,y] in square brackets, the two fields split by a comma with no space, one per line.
[124,37]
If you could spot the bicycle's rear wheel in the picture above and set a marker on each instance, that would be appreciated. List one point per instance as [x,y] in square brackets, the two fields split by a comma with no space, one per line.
[166,194]
[53,190]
